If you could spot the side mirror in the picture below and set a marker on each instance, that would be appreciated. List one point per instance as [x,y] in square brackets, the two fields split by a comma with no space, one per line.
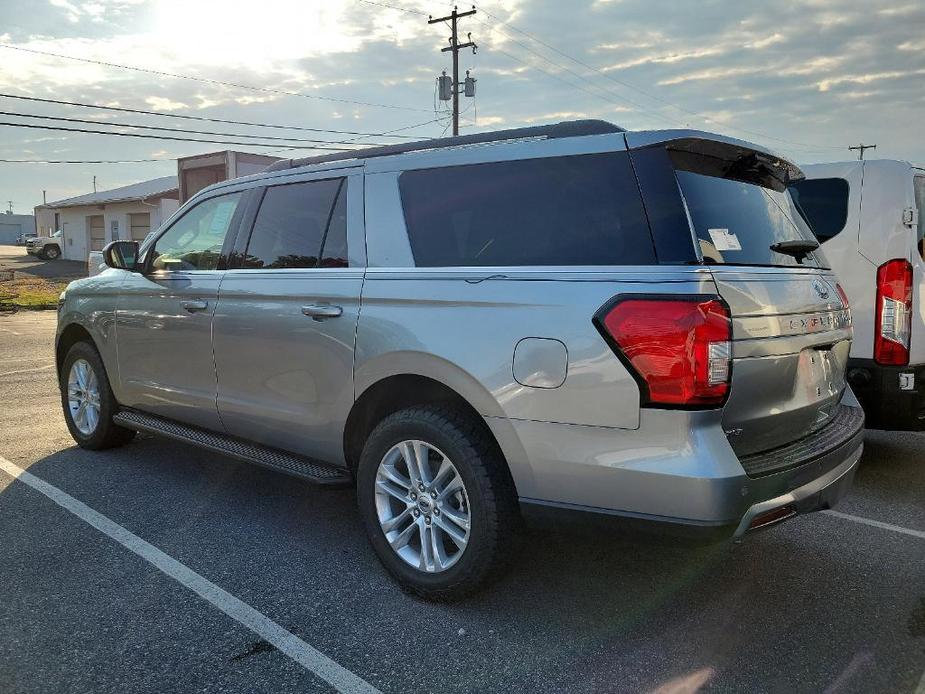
[122,255]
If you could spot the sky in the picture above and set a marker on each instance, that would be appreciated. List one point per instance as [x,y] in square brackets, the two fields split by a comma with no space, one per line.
[804,78]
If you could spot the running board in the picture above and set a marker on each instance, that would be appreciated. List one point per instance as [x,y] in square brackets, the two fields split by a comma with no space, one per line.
[272,458]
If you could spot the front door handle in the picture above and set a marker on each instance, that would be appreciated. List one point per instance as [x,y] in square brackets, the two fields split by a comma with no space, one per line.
[321,311]
[194,305]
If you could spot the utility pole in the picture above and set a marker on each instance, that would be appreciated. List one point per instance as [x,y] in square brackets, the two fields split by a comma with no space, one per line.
[455,47]
[860,149]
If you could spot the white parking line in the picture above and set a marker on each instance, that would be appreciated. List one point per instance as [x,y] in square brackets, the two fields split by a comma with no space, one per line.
[877,524]
[27,371]
[338,677]
[921,688]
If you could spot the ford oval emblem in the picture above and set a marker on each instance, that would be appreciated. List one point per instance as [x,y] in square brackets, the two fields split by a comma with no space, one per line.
[821,289]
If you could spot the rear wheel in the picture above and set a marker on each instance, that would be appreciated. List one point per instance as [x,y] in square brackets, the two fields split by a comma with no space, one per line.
[436,500]
[88,402]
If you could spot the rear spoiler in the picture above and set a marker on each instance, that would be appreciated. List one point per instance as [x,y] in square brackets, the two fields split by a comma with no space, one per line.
[728,150]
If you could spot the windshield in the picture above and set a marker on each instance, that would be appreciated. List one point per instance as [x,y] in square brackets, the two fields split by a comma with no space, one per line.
[739,212]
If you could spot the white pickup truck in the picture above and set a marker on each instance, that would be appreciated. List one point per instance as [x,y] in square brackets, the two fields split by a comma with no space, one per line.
[47,247]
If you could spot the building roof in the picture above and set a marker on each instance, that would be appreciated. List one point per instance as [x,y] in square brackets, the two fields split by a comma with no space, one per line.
[157,187]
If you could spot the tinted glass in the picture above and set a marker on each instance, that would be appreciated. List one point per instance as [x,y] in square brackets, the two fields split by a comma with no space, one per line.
[582,210]
[737,221]
[824,203]
[920,205]
[291,224]
[195,241]
[334,253]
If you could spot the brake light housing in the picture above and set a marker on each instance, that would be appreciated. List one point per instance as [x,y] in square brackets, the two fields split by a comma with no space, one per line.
[893,317]
[679,349]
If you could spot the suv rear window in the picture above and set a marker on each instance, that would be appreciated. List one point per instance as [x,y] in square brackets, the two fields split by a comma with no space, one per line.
[824,202]
[739,210]
[577,210]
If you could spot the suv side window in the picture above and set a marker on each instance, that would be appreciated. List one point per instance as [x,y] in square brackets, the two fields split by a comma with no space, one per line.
[195,240]
[575,210]
[297,224]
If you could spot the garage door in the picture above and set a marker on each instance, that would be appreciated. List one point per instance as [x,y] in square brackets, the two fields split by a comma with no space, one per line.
[139,225]
[97,232]
[9,232]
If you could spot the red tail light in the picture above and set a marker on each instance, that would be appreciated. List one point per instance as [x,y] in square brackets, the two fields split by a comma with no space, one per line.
[680,350]
[893,320]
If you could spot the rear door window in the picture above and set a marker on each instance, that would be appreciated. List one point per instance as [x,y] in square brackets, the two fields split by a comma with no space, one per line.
[824,203]
[578,210]
[295,225]
[739,210]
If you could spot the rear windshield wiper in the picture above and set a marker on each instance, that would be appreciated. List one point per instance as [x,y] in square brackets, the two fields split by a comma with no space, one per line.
[798,248]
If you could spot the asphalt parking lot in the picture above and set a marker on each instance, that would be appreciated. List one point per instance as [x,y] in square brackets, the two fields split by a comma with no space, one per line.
[824,603]
[25,265]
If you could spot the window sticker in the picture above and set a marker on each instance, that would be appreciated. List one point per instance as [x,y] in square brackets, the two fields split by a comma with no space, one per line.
[724,240]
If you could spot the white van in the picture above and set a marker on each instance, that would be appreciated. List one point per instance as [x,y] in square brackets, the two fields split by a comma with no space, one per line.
[870,218]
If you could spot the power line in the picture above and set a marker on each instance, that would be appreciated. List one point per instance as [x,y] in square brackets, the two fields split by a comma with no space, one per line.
[177,130]
[357,139]
[813,147]
[206,80]
[81,161]
[605,95]
[635,104]
[167,137]
[199,118]
[394,7]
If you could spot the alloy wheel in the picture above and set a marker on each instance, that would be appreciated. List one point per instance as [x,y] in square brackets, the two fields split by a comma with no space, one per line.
[83,397]
[423,506]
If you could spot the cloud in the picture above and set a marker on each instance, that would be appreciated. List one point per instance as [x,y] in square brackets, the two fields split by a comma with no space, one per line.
[804,78]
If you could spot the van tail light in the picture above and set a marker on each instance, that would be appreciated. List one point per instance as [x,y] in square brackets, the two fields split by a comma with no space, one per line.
[893,320]
[679,350]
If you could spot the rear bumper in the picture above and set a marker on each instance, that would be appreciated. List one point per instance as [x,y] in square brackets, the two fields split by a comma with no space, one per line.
[886,403]
[684,481]
[821,493]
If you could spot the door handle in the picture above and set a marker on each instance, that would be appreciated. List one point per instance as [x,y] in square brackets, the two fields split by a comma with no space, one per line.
[194,305]
[320,311]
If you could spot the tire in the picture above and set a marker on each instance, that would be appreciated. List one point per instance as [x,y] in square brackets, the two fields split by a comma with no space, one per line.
[487,494]
[104,433]
[51,252]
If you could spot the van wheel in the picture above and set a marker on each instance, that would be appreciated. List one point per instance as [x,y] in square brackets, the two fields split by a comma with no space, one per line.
[436,500]
[88,402]
[51,252]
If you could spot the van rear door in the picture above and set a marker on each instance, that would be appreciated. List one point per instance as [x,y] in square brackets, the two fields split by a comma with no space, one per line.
[791,326]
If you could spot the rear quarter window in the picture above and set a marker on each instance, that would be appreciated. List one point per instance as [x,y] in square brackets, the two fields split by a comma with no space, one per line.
[824,203]
[578,210]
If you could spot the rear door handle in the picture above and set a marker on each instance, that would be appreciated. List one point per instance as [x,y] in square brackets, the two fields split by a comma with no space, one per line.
[319,311]
[194,305]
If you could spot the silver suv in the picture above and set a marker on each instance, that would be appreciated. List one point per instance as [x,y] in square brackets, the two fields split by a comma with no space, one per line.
[568,317]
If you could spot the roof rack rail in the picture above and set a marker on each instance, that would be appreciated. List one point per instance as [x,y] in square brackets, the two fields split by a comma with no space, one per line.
[572,128]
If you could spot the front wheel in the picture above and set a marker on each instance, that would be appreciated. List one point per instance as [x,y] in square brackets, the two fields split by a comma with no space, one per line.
[51,252]
[88,402]
[437,501]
